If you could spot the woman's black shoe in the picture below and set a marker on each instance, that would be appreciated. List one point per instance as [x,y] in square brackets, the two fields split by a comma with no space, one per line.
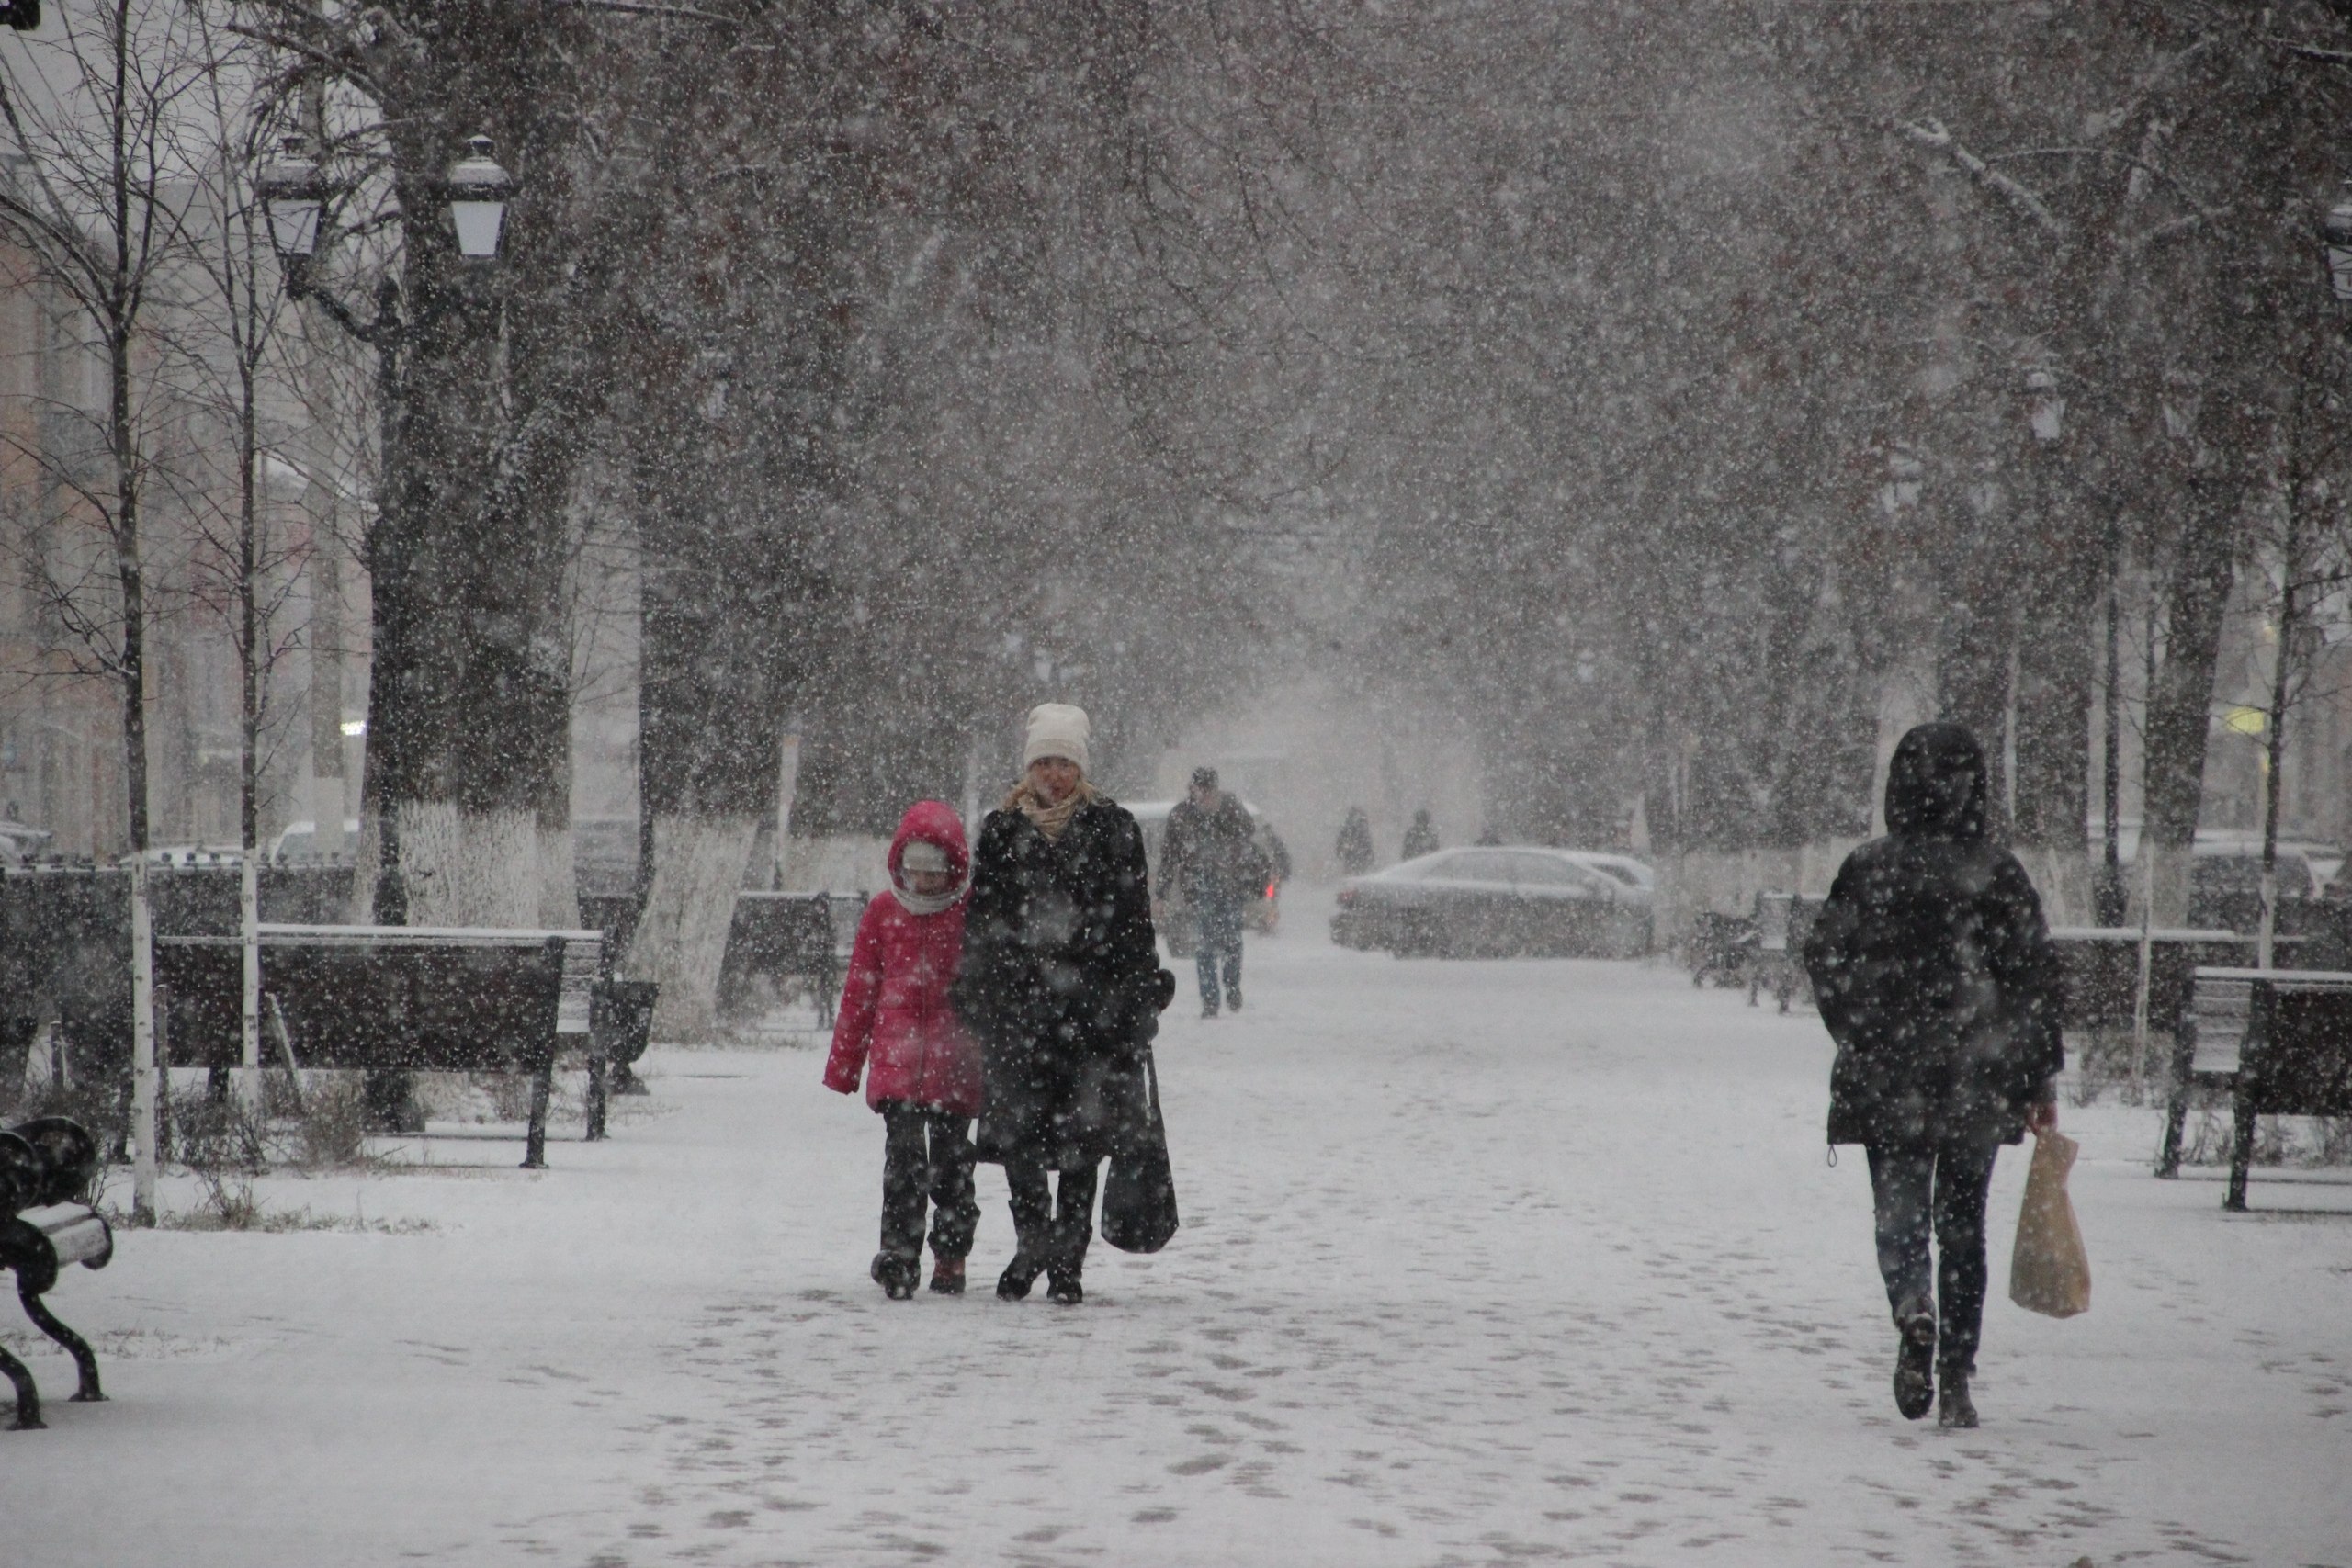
[947,1276]
[1012,1285]
[1063,1286]
[1914,1363]
[896,1276]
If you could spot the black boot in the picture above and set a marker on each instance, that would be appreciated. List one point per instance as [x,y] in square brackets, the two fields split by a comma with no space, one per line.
[947,1276]
[1012,1285]
[896,1275]
[1062,1286]
[1914,1383]
[1954,1408]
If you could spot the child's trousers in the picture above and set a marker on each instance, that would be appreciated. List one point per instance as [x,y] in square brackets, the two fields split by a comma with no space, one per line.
[927,1155]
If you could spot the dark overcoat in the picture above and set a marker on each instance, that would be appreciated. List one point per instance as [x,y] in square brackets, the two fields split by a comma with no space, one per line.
[1060,985]
[1211,856]
[1934,971]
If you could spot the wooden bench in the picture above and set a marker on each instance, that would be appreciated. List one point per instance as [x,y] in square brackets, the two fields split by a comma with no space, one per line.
[395,999]
[2278,1039]
[777,938]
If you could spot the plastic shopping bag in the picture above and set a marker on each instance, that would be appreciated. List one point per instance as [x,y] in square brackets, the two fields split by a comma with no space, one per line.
[2049,1272]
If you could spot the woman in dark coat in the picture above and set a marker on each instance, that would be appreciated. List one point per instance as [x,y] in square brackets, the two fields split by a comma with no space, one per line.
[1937,978]
[1061,983]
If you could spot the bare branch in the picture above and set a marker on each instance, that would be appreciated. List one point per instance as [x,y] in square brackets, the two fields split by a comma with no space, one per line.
[643,8]
[1932,134]
[2309,51]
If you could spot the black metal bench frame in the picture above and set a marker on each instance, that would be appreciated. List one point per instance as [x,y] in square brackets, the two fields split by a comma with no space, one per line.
[1718,947]
[44,1165]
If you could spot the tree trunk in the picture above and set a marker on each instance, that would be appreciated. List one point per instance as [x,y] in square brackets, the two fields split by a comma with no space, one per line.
[1973,656]
[2179,706]
[681,938]
[2053,733]
[469,700]
[710,745]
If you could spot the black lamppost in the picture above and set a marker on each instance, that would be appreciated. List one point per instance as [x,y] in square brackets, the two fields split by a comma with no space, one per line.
[293,193]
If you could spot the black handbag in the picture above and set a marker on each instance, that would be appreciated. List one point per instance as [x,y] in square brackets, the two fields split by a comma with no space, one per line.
[1139,1194]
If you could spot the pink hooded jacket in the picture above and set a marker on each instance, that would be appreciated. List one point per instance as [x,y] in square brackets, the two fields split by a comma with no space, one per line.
[895,1023]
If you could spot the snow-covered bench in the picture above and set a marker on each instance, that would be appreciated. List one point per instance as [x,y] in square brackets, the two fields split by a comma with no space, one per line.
[390,1000]
[45,1169]
[2278,1039]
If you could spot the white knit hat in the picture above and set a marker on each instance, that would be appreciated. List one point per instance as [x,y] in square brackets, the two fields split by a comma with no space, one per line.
[1056,730]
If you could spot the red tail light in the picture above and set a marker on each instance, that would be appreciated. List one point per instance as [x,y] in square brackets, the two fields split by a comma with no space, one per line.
[1271,888]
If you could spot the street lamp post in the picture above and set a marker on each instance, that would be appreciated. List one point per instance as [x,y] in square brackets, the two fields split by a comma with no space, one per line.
[294,193]
[407,331]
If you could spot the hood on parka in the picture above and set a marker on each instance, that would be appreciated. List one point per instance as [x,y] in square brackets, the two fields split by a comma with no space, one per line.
[932,822]
[1935,786]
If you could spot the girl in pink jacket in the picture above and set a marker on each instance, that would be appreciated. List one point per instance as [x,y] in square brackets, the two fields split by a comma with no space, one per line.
[922,1072]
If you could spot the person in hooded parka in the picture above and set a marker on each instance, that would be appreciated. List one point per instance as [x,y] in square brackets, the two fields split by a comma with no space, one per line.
[1936,979]
[1061,983]
[921,1070]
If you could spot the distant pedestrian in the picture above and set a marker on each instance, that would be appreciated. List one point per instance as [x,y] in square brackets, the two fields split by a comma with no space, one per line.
[1420,836]
[923,1071]
[1937,978]
[1354,845]
[1209,858]
[1062,984]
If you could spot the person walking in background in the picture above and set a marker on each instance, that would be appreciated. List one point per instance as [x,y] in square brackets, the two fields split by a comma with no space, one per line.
[1420,836]
[921,1069]
[1207,854]
[1937,980]
[1354,846]
[1061,983]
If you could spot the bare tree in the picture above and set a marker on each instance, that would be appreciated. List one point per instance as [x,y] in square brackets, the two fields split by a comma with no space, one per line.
[97,190]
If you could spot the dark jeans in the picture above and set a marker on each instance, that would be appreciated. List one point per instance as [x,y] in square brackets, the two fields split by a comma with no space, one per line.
[927,1154]
[1218,925]
[1054,1233]
[1940,1188]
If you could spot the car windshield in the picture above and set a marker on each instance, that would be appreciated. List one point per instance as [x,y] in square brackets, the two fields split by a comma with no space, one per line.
[1546,871]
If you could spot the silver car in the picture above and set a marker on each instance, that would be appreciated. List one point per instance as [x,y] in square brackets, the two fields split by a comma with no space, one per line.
[1494,900]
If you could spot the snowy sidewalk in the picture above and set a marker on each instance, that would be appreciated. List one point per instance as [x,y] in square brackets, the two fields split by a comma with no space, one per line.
[1482,1263]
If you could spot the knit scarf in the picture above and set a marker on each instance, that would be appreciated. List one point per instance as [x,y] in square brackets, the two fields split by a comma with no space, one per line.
[1050,819]
[915,903]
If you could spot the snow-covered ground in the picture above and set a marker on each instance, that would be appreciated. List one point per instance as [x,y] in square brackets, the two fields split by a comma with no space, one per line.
[1481,1263]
